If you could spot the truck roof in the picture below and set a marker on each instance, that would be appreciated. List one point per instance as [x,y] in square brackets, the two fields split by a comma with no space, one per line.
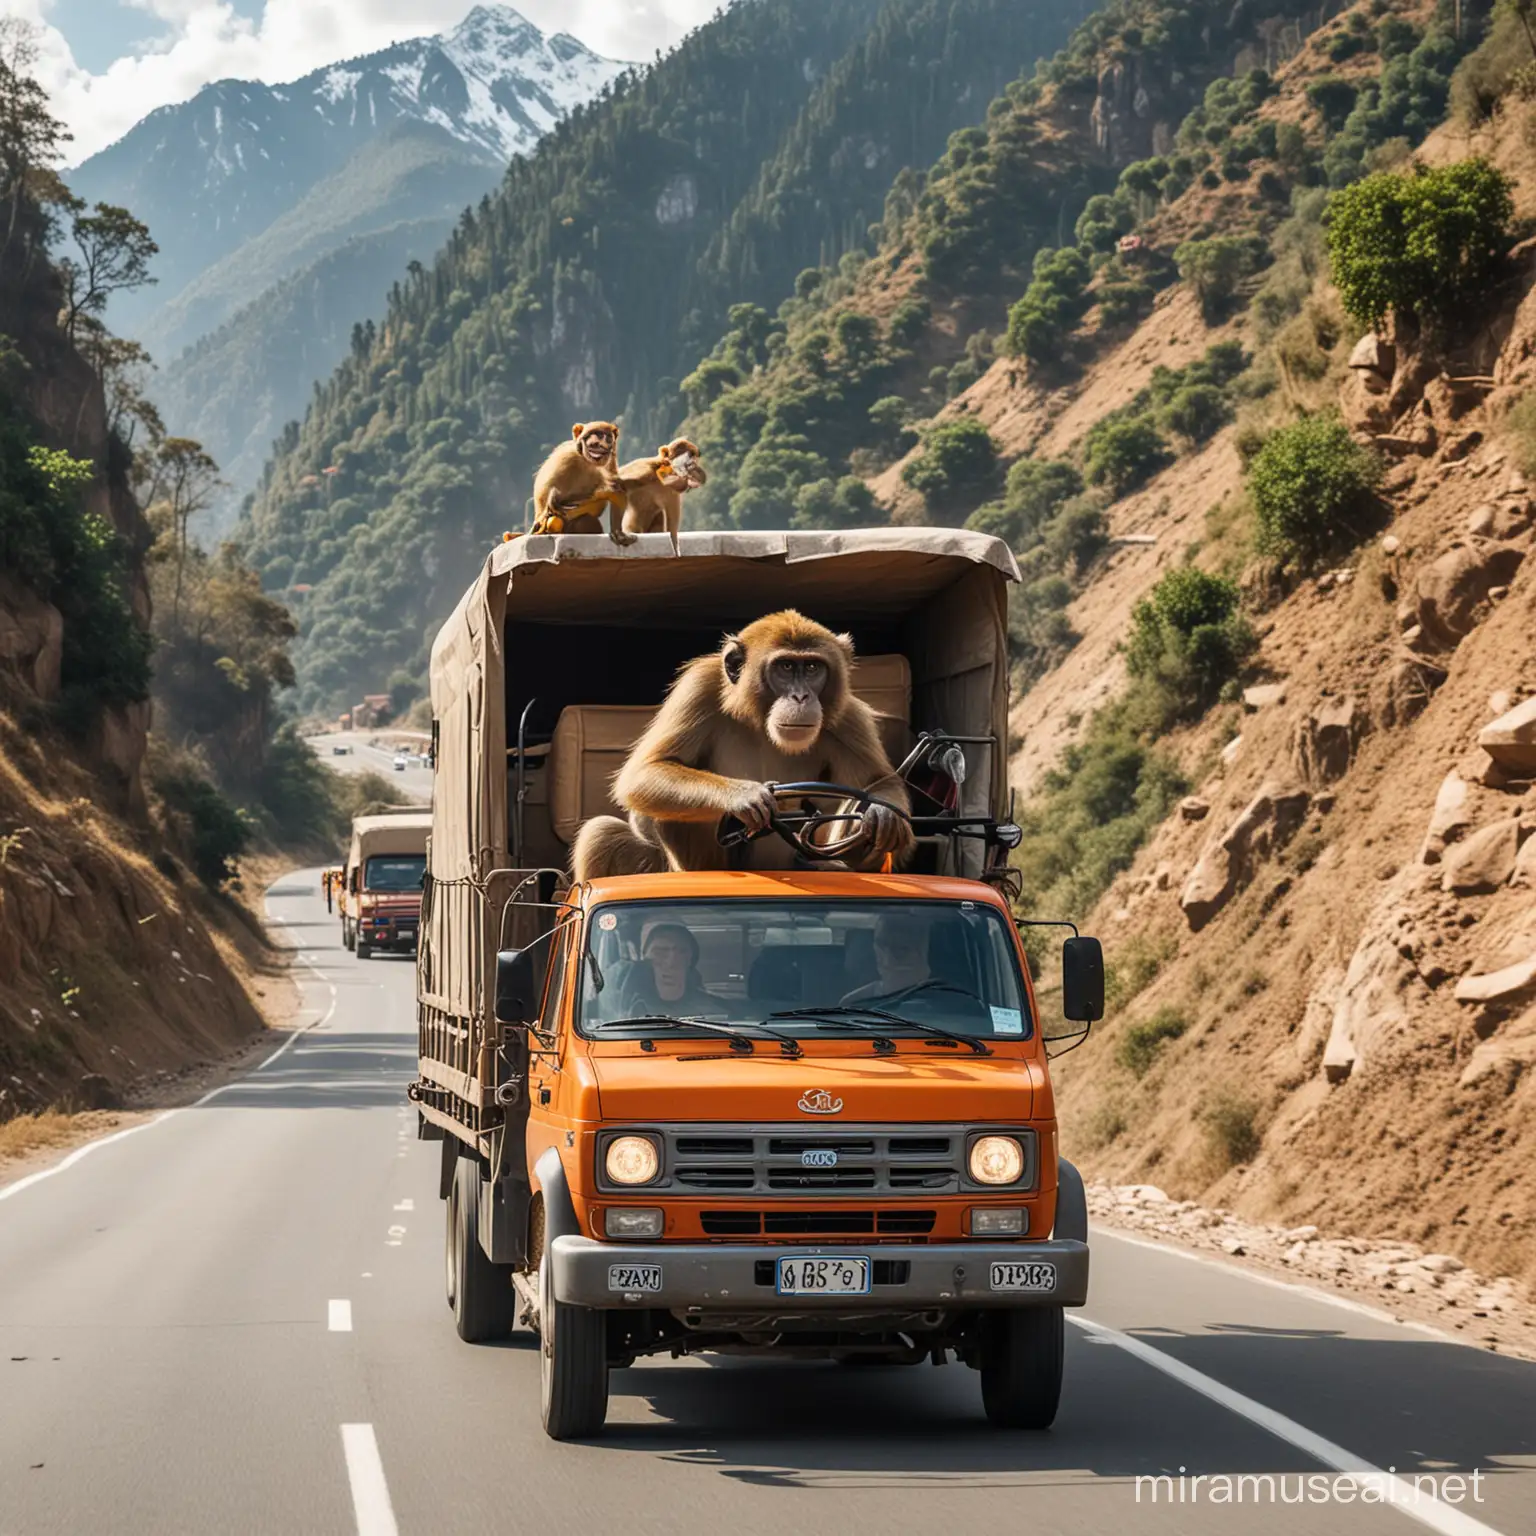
[781,885]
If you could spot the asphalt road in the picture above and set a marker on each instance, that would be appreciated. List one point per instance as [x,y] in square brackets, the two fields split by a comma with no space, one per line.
[232,1320]
[413,782]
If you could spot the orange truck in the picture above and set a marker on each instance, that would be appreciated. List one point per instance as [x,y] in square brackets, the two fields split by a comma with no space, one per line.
[839,1141]
[380,887]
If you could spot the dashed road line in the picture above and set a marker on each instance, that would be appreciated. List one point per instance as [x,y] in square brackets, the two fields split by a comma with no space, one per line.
[340,1316]
[371,1506]
[1400,1494]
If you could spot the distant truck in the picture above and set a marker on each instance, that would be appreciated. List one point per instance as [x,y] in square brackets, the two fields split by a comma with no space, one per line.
[844,1146]
[380,897]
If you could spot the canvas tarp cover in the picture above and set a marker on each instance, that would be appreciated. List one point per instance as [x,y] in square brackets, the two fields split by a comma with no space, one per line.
[956,580]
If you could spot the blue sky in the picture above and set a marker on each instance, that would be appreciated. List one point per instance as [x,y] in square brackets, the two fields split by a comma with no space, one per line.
[108,63]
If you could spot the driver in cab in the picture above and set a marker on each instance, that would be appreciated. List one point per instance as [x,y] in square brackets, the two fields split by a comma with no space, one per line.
[901,958]
[667,978]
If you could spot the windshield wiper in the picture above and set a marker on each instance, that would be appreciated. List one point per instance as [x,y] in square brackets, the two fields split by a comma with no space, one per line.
[740,1040]
[933,984]
[838,1016]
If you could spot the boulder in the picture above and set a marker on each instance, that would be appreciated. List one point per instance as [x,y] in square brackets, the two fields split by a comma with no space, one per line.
[1363,403]
[1323,741]
[1484,861]
[1449,819]
[1375,358]
[1409,685]
[1262,696]
[1480,768]
[1511,739]
[1498,522]
[1267,823]
[1524,875]
[1453,588]
[1513,984]
[1193,808]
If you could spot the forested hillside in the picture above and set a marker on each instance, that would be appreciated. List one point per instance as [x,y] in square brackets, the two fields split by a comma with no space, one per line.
[591,282]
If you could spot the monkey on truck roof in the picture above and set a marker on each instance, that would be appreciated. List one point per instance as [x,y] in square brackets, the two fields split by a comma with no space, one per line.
[655,487]
[577,480]
[773,705]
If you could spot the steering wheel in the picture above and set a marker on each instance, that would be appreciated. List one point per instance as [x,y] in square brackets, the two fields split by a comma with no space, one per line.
[798,827]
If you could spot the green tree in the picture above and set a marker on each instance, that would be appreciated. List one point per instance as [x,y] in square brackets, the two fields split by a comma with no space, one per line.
[1425,244]
[113,251]
[1036,489]
[958,461]
[1123,452]
[1214,268]
[1309,484]
[1187,638]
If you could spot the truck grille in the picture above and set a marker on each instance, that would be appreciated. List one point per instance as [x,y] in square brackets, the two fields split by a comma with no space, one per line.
[834,1162]
[781,1223]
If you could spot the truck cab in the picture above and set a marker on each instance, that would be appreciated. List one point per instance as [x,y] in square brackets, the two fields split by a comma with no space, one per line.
[381,882]
[799,1112]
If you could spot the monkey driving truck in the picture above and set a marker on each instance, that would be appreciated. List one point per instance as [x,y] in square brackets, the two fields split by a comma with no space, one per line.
[767,1074]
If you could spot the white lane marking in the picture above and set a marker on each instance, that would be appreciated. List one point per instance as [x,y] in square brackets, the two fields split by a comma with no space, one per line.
[1401,1495]
[340,1316]
[365,1471]
[7,1190]
[406,1205]
[1311,1292]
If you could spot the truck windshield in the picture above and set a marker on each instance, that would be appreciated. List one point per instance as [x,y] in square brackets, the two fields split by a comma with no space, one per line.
[943,968]
[394,872]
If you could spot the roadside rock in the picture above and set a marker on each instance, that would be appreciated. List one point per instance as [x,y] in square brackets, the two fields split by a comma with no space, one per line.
[1374,358]
[1491,521]
[1409,686]
[1485,861]
[1511,740]
[1193,808]
[1268,822]
[1513,984]
[1262,696]
[1449,819]
[1324,740]
[1480,768]
[1453,588]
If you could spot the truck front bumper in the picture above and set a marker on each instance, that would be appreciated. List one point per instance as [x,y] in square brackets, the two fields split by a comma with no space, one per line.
[723,1277]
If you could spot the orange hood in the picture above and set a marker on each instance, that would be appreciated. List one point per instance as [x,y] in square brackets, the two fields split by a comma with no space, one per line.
[915,1085]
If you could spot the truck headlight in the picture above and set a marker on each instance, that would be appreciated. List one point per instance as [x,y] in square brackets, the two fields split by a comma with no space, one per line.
[996,1160]
[632,1160]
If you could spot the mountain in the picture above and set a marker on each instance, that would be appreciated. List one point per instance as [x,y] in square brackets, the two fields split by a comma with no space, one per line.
[212,173]
[393,203]
[589,283]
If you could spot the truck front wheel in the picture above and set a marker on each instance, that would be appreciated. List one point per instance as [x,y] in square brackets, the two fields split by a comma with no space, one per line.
[480,1292]
[573,1363]
[1021,1362]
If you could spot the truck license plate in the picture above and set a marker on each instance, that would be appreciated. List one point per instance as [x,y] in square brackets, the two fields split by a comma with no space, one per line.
[1023,1277]
[840,1276]
[634,1277]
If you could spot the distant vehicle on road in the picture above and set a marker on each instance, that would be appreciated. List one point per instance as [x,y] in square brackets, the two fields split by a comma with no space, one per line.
[340,751]
[401,762]
[381,889]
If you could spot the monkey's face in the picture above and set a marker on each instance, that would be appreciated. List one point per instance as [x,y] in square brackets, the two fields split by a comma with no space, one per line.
[792,684]
[683,456]
[598,443]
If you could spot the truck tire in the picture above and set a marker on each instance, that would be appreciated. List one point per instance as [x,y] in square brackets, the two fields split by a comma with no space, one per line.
[1021,1361]
[363,950]
[480,1292]
[348,938]
[573,1363]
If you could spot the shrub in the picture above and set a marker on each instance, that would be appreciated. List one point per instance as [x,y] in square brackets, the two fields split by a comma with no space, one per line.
[1333,99]
[1036,488]
[1187,639]
[1123,452]
[959,459]
[1196,412]
[1214,269]
[1309,484]
[1521,425]
[1229,1124]
[1040,322]
[845,503]
[1134,966]
[909,320]
[1123,302]
[213,830]
[1139,1047]
[1424,243]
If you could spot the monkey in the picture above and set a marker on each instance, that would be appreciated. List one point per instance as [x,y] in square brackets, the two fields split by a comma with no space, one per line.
[577,480]
[772,705]
[655,488]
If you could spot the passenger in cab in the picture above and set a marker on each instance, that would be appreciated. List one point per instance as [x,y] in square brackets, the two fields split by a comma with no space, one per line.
[901,957]
[667,979]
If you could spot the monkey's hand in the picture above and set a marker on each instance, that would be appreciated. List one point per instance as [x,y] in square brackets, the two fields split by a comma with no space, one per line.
[886,831]
[752,804]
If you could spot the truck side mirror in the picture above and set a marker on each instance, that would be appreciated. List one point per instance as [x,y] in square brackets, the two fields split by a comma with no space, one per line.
[1082,980]
[516,1002]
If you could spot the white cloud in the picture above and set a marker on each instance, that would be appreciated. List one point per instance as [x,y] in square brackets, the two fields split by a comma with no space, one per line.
[205,40]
